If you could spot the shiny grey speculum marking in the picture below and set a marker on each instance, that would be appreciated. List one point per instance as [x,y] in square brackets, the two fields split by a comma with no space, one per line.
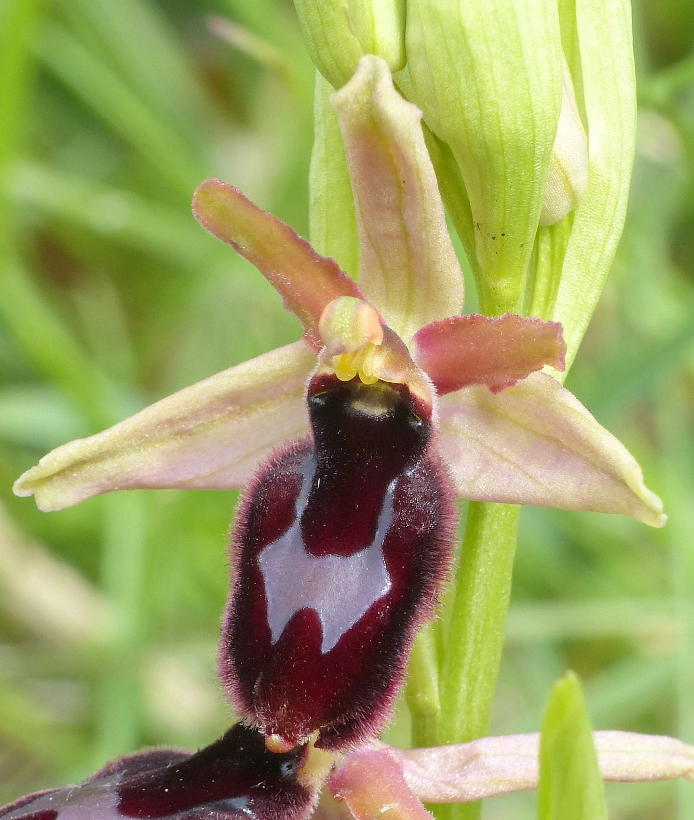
[340,589]
[98,801]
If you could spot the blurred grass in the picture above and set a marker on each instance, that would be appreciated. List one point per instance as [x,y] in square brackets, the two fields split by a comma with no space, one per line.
[112,297]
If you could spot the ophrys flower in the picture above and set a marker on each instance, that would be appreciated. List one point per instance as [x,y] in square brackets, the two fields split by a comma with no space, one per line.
[532,443]
[345,533]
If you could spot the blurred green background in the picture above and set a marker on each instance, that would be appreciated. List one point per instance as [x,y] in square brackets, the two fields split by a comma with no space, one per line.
[112,297]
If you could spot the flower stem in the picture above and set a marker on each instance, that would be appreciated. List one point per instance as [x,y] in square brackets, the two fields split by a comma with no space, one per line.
[423,689]
[470,666]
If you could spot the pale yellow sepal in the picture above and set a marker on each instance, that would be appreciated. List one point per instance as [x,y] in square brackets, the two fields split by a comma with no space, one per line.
[210,435]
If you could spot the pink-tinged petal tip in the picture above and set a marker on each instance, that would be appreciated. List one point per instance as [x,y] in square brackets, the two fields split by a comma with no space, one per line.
[306,281]
[493,351]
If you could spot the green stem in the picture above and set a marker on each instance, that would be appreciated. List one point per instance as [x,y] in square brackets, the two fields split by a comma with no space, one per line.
[422,691]
[481,591]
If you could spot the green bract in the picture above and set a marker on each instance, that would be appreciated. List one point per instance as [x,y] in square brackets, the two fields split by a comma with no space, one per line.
[597,34]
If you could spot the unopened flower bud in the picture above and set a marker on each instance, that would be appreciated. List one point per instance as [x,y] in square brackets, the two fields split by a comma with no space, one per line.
[339,32]
[488,78]
[568,165]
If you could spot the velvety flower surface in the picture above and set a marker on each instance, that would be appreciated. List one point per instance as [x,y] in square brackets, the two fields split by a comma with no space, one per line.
[235,777]
[340,547]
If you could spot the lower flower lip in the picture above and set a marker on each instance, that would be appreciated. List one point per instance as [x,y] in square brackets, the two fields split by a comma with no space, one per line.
[340,548]
[234,775]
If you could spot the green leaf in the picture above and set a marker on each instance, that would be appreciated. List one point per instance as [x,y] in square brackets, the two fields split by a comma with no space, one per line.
[137,41]
[570,784]
[91,80]
[113,213]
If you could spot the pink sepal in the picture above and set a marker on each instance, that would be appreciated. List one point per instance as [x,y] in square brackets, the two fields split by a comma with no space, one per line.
[307,281]
[492,766]
[494,351]
[209,435]
[535,443]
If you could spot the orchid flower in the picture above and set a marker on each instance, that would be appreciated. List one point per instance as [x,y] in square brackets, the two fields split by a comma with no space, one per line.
[506,431]
[237,777]
[352,444]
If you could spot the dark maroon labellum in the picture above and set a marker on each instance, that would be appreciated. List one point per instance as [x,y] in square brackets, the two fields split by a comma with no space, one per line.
[339,551]
[234,778]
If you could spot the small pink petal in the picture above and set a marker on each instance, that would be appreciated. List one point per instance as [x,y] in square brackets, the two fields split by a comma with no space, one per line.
[371,783]
[408,265]
[306,281]
[494,351]
[498,765]
[535,443]
[207,436]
